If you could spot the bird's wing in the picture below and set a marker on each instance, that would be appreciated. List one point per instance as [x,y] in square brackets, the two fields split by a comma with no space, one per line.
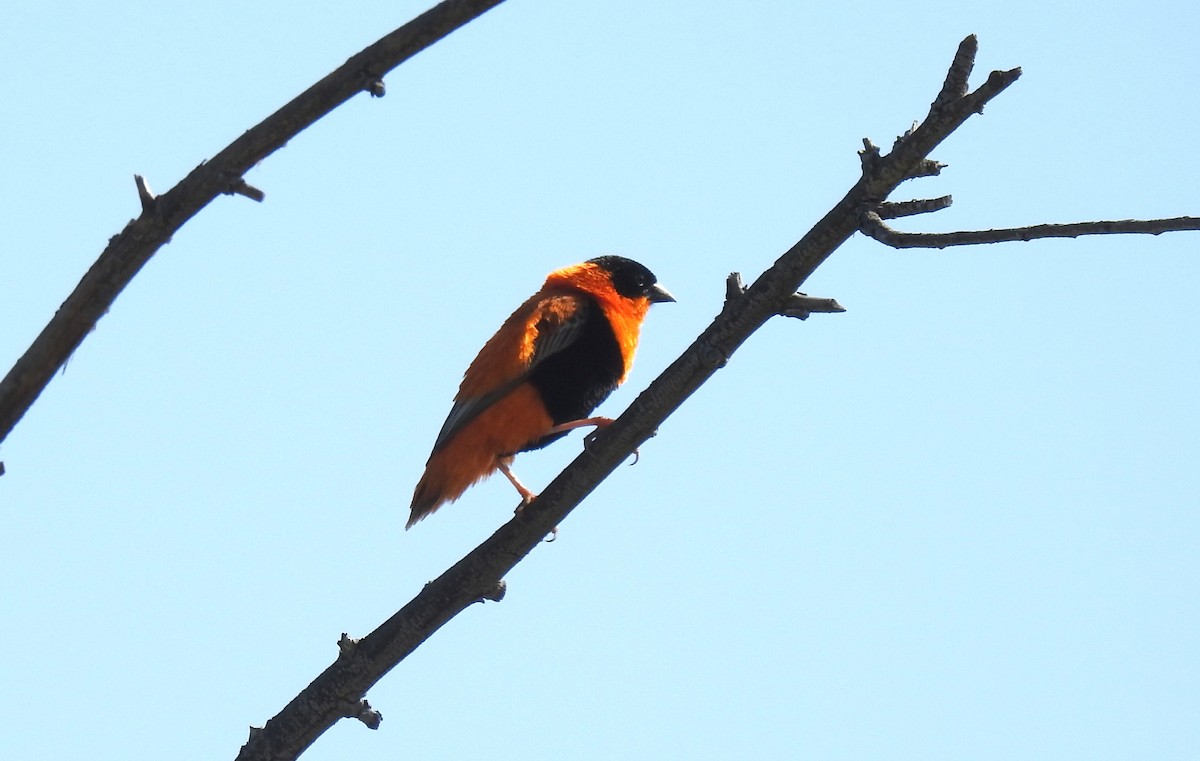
[541,328]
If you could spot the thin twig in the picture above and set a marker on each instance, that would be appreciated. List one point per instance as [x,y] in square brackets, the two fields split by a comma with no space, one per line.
[145,195]
[799,305]
[874,226]
[926,168]
[242,188]
[955,85]
[894,210]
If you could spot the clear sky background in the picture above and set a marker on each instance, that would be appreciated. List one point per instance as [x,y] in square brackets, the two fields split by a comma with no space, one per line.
[959,521]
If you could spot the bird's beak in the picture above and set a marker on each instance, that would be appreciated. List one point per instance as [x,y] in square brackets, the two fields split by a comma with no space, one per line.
[657,294]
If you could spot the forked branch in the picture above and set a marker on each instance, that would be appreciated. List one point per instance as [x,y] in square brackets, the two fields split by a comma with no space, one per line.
[952,98]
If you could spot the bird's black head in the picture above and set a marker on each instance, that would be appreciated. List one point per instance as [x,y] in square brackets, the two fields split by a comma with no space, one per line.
[632,280]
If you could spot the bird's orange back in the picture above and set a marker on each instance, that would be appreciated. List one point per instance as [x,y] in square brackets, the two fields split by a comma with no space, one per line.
[553,361]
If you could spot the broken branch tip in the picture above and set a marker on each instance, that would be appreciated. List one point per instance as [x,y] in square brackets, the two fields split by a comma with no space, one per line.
[145,195]
[240,187]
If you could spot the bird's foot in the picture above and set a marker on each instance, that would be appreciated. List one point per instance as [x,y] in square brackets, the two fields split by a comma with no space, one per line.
[527,495]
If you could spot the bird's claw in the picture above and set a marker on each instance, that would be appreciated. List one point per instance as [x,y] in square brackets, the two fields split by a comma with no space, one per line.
[589,442]
[526,501]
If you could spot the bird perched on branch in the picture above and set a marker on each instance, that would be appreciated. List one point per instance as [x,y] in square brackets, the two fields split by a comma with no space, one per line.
[548,366]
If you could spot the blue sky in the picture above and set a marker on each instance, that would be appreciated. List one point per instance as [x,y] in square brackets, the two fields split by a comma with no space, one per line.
[958,521]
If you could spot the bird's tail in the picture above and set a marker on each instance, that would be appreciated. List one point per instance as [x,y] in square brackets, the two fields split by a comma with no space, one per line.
[447,475]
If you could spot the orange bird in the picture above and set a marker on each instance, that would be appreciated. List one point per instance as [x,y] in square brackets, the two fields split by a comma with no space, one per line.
[551,363]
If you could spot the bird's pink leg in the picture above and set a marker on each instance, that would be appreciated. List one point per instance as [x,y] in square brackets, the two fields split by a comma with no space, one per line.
[599,422]
[527,496]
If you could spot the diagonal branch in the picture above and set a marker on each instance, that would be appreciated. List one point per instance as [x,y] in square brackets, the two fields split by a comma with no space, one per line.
[339,689]
[162,216]
[874,226]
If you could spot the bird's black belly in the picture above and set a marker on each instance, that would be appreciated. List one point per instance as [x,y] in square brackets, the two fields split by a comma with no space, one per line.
[575,380]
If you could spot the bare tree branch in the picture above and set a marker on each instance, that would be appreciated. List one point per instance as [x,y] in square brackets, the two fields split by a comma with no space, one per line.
[957,76]
[874,226]
[800,305]
[954,90]
[894,210]
[145,195]
[162,216]
[479,575]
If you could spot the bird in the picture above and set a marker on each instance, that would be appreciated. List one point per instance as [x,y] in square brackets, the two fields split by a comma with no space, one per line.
[551,363]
